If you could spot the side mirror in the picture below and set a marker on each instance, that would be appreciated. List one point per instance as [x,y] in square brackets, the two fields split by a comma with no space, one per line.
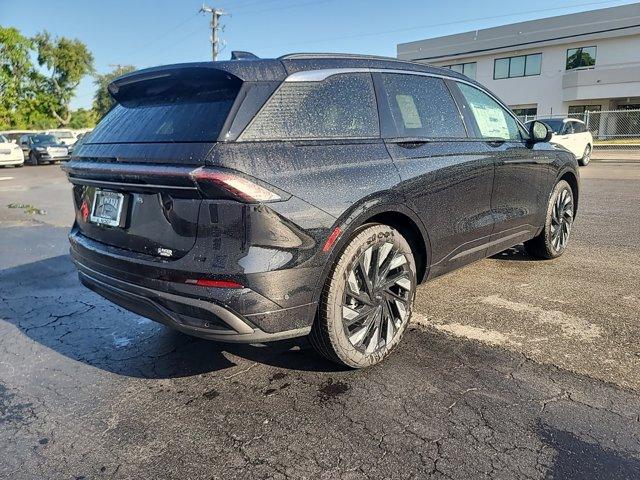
[539,132]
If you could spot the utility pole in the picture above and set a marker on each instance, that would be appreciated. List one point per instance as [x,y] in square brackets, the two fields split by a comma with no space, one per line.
[215,25]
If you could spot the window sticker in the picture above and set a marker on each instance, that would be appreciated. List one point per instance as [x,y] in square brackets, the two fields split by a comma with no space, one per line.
[491,121]
[409,111]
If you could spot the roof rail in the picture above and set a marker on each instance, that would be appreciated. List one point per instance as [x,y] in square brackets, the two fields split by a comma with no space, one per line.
[336,55]
[241,55]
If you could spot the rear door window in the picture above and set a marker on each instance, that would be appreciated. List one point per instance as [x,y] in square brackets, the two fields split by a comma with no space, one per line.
[492,119]
[422,107]
[341,106]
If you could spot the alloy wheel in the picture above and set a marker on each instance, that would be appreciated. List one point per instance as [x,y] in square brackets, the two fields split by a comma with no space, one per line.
[561,220]
[377,297]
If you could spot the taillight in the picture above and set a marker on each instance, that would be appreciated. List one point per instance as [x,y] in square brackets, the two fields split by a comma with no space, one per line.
[210,180]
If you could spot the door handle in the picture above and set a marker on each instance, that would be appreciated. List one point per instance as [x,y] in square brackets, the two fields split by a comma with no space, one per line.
[495,143]
[410,142]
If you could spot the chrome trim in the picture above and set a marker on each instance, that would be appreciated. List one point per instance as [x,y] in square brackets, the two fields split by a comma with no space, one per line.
[98,183]
[320,75]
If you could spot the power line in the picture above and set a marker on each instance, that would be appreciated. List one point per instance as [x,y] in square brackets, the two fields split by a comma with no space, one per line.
[443,24]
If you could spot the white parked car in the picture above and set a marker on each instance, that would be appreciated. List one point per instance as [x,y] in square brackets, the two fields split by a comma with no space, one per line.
[10,153]
[573,135]
[64,136]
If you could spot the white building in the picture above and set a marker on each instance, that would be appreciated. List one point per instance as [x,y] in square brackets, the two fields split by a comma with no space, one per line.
[558,65]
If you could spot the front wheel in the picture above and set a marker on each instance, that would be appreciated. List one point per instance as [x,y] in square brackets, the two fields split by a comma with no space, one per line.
[33,160]
[367,300]
[586,156]
[553,240]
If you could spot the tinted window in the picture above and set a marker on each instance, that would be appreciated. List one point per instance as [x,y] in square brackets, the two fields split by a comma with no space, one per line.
[341,106]
[516,67]
[578,127]
[581,57]
[3,139]
[468,69]
[492,119]
[422,107]
[534,63]
[501,68]
[556,126]
[568,128]
[519,66]
[188,110]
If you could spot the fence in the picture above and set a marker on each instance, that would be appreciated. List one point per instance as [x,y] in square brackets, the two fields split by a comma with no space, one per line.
[613,130]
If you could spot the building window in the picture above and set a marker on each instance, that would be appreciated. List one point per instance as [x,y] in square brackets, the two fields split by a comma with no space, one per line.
[520,66]
[468,69]
[581,57]
[525,112]
[579,111]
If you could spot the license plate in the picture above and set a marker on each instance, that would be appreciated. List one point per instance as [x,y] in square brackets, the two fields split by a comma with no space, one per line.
[107,208]
[57,152]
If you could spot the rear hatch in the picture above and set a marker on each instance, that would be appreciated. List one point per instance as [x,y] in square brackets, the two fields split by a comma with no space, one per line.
[132,183]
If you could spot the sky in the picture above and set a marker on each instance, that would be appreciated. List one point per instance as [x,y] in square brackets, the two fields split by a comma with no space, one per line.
[146,33]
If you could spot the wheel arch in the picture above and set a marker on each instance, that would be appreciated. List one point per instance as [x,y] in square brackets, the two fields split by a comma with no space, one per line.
[397,216]
[572,179]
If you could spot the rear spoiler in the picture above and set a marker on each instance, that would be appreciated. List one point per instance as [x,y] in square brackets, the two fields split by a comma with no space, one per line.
[194,74]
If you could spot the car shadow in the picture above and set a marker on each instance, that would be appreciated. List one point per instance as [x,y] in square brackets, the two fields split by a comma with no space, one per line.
[517,254]
[577,459]
[45,301]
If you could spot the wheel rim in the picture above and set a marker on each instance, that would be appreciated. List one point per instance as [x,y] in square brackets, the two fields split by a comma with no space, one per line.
[587,155]
[561,220]
[377,297]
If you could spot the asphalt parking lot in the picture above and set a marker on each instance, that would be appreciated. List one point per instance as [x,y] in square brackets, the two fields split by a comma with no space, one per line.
[514,368]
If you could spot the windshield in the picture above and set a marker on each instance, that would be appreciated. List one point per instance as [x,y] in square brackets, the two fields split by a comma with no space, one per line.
[37,139]
[63,134]
[555,125]
[3,139]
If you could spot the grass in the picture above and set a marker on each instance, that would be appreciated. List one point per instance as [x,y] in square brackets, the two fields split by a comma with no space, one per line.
[618,141]
[28,209]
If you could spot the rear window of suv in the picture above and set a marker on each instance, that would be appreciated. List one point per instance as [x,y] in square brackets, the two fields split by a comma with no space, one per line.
[341,106]
[182,109]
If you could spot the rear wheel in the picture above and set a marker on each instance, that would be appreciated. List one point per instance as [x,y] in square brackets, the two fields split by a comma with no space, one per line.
[586,156]
[553,239]
[367,300]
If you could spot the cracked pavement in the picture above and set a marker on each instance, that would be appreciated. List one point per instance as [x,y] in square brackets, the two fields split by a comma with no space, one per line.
[512,369]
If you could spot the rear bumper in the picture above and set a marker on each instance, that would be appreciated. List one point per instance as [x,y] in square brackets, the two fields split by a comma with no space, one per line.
[11,160]
[200,318]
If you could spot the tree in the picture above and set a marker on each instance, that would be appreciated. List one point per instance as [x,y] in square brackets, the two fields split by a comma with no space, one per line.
[82,118]
[102,101]
[16,75]
[67,61]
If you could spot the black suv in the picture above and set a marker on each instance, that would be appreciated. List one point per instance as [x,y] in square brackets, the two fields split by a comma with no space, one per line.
[40,148]
[259,199]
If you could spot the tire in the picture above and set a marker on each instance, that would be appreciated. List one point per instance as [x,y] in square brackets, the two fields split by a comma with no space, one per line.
[553,240]
[20,165]
[586,156]
[32,159]
[381,313]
